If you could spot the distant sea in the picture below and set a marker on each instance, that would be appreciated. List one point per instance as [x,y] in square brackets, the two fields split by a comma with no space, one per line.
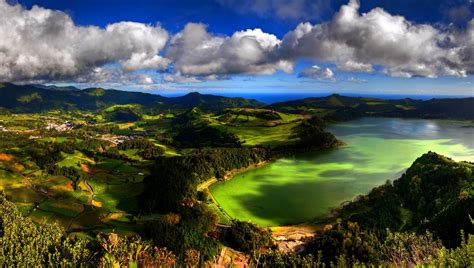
[272,98]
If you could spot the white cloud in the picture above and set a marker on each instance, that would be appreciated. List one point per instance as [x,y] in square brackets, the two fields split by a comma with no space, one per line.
[113,75]
[196,52]
[45,44]
[356,42]
[145,80]
[352,66]
[317,73]
[179,78]
[356,80]
[140,61]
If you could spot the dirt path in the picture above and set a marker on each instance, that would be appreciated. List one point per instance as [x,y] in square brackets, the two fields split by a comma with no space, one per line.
[91,192]
[231,258]
[293,238]
[206,184]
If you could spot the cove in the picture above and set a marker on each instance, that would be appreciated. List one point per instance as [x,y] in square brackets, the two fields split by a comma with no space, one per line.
[303,187]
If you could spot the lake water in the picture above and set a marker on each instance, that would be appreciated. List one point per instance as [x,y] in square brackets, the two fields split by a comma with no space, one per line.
[300,188]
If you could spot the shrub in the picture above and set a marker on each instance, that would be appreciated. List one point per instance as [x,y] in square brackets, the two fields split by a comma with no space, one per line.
[247,237]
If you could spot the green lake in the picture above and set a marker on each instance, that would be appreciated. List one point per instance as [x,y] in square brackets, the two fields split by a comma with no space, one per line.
[303,187]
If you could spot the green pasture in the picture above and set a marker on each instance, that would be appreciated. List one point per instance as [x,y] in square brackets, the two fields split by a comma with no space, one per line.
[271,136]
[109,164]
[115,194]
[255,117]
[79,196]
[132,154]
[74,160]
[120,106]
[152,117]
[64,207]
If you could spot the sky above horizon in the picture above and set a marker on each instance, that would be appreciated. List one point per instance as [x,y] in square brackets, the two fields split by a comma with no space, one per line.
[232,47]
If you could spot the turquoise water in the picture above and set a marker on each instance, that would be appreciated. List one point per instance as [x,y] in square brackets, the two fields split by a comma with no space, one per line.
[300,188]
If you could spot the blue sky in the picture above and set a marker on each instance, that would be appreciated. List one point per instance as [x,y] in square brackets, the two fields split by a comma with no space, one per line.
[224,19]
[311,72]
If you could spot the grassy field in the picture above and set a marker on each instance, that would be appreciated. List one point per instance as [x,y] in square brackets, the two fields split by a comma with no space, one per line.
[271,136]
[75,160]
[107,195]
[258,126]
[45,198]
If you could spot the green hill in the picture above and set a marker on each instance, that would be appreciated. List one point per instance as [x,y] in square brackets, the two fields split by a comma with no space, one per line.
[337,108]
[212,102]
[194,129]
[28,98]
[36,98]
[435,194]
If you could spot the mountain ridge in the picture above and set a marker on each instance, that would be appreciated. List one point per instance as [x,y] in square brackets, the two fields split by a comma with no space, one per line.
[34,98]
[334,107]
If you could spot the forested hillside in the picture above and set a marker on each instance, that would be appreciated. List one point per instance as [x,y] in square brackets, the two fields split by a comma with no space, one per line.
[408,221]
[37,98]
[435,194]
[339,108]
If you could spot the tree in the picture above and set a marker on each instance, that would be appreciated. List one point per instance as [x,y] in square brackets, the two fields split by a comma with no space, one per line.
[247,237]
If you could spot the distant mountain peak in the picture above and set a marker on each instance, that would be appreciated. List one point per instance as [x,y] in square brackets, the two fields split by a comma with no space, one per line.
[193,93]
[57,88]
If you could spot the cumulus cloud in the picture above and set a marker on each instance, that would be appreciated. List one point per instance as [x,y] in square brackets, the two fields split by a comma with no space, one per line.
[179,78]
[352,66]
[356,80]
[45,44]
[113,76]
[317,73]
[194,51]
[356,42]
[140,61]
[145,80]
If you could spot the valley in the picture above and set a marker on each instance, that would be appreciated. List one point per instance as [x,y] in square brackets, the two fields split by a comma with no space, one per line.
[162,167]
[236,133]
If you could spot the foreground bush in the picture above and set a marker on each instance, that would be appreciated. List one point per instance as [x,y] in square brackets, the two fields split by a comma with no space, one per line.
[25,244]
[247,237]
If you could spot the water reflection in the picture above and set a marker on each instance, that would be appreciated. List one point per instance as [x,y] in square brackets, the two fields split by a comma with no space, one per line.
[298,188]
